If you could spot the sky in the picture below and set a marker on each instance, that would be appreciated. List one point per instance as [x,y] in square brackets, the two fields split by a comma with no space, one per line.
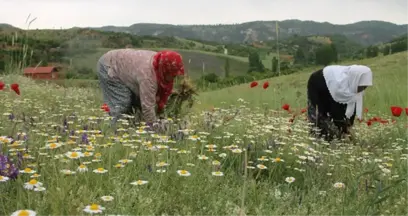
[95,13]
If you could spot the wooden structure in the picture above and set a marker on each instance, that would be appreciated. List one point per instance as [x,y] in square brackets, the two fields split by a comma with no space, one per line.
[44,73]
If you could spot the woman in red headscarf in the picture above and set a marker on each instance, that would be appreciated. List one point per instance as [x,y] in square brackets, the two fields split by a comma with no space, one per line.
[138,79]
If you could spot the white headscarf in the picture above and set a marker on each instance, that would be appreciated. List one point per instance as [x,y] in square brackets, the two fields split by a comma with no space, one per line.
[343,81]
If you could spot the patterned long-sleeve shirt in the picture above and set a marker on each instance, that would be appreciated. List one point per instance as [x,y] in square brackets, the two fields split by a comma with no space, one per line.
[134,69]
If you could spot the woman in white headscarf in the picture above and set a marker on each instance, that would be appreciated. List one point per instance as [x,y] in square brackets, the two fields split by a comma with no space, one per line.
[335,97]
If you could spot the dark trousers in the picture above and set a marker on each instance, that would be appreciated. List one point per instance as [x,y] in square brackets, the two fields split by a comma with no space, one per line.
[119,98]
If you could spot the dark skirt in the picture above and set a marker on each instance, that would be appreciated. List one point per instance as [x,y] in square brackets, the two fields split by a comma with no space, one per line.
[322,125]
[119,98]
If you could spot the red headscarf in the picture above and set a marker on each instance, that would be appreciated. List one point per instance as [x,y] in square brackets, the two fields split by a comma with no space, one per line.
[166,62]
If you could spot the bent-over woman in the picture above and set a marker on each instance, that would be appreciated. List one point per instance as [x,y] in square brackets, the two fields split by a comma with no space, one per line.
[335,97]
[138,80]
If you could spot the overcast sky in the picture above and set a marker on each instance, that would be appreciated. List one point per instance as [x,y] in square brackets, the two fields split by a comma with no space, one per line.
[95,13]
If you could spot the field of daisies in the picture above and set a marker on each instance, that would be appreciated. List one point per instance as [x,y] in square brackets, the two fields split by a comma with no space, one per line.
[60,157]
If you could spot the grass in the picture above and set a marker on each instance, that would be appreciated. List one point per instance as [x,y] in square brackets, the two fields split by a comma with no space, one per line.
[197,45]
[73,83]
[269,166]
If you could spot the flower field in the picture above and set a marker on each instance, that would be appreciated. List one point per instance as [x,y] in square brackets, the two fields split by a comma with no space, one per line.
[241,151]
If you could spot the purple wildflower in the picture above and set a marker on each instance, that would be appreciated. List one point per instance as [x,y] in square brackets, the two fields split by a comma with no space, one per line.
[7,168]
[85,138]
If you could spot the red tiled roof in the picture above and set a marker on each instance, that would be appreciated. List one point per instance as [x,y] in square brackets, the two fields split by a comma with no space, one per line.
[39,70]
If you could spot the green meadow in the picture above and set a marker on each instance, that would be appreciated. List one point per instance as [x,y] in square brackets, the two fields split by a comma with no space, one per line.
[235,153]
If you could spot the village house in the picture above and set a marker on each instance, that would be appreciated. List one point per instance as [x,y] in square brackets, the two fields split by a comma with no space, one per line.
[45,73]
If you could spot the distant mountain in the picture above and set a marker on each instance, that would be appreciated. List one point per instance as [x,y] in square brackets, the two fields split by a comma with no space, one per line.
[5,26]
[364,32]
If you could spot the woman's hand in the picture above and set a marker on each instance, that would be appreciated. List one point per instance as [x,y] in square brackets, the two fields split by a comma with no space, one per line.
[158,126]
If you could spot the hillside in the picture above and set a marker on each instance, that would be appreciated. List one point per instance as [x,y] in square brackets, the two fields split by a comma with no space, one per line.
[78,50]
[396,45]
[198,63]
[7,27]
[390,70]
[308,45]
[365,32]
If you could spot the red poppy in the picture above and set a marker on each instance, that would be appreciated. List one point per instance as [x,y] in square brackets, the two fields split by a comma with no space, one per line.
[369,123]
[15,88]
[286,107]
[303,110]
[406,111]
[105,107]
[396,111]
[2,85]
[265,85]
[377,119]
[365,110]
[254,84]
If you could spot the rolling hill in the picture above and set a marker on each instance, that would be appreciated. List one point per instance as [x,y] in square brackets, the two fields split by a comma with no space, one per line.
[77,50]
[364,32]
[390,87]
[346,48]
[7,27]
[197,62]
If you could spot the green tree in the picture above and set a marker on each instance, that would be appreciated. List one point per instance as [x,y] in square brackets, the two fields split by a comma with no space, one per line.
[227,67]
[136,42]
[334,53]
[284,66]
[211,78]
[399,46]
[326,55]
[372,51]
[255,63]
[44,63]
[300,57]
[274,64]
[386,50]
[310,58]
